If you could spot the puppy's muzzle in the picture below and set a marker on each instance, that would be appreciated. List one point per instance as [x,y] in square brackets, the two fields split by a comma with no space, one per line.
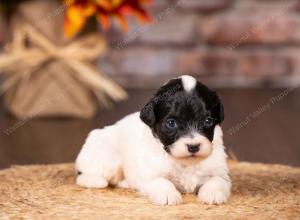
[193,148]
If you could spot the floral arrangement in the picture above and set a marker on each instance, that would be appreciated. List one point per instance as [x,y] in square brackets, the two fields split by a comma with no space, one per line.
[78,12]
[70,63]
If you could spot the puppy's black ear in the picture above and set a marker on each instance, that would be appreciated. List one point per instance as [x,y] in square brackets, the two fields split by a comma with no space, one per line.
[147,114]
[219,109]
[151,113]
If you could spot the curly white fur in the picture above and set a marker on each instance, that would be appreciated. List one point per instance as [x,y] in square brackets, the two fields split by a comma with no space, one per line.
[128,155]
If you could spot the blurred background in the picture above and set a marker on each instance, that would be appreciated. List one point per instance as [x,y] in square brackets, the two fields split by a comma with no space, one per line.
[62,71]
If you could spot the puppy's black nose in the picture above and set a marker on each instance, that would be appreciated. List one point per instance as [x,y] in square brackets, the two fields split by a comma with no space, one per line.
[193,148]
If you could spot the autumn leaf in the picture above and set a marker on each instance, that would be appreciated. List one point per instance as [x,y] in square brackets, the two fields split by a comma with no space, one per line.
[74,20]
[78,11]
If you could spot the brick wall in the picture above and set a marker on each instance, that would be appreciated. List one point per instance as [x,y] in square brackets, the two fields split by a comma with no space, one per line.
[222,42]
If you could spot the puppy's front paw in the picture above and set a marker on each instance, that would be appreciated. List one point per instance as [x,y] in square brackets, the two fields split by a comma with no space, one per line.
[162,192]
[214,192]
[91,181]
[212,197]
[166,197]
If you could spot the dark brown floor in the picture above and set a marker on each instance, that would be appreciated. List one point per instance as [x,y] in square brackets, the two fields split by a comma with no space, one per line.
[271,136]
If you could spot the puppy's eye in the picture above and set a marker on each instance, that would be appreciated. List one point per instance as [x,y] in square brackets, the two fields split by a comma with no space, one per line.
[171,123]
[208,121]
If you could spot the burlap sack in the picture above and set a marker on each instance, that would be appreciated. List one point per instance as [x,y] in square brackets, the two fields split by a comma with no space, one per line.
[59,86]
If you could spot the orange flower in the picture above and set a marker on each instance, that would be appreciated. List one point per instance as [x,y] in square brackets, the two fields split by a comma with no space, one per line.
[78,11]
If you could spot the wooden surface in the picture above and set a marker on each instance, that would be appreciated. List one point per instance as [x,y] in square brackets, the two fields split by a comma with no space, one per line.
[256,129]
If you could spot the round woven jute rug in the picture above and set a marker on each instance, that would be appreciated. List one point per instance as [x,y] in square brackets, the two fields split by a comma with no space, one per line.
[49,192]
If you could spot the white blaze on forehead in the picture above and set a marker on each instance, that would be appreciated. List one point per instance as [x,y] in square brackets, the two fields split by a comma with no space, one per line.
[188,82]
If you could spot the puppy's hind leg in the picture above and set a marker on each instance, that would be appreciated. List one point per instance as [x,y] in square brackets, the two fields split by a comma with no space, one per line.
[98,163]
[91,181]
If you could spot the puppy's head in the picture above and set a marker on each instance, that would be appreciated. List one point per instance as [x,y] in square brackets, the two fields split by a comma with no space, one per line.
[183,115]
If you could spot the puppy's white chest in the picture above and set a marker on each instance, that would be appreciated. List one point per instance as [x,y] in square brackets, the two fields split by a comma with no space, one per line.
[188,180]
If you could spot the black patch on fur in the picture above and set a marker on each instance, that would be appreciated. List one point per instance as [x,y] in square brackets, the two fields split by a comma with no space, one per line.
[189,109]
[147,114]
[167,148]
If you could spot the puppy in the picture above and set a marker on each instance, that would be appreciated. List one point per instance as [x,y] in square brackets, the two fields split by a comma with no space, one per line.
[173,146]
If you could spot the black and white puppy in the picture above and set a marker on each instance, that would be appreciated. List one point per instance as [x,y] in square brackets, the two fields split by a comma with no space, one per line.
[175,144]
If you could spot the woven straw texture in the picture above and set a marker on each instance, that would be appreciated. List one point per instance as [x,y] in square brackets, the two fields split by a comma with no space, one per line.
[49,192]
